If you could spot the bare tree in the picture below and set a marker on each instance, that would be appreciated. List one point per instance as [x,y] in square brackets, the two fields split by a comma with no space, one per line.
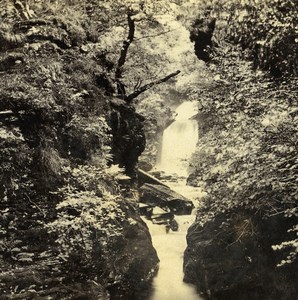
[121,92]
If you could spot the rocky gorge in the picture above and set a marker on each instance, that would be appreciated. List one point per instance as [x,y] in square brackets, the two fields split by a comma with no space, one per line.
[117,118]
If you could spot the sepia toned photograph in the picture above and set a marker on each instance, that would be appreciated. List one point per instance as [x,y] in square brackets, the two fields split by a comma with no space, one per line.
[148,149]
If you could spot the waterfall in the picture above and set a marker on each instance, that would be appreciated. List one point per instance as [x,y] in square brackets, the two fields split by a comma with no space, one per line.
[179,141]
[178,144]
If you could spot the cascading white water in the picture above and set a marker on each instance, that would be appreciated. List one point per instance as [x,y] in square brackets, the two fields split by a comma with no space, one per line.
[168,284]
[179,141]
[178,144]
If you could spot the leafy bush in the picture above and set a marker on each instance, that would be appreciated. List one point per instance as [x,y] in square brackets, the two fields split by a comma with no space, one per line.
[15,164]
[247,154]
[90,207]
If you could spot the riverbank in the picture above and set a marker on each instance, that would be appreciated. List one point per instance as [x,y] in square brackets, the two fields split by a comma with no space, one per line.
[243,243]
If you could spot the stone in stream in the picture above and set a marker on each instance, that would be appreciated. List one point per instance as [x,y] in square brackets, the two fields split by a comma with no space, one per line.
[162,196]
[161,216]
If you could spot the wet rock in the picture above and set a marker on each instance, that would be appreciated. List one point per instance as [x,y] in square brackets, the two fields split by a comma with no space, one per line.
[145,210]
[161,216]
[235,260]
[164,197]
[132,260]
[174,225]
[156,174]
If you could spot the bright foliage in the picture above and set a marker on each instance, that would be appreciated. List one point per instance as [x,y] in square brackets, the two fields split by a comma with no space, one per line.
[247,154]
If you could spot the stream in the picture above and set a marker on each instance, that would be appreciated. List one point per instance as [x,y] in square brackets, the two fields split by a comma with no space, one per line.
[178,144]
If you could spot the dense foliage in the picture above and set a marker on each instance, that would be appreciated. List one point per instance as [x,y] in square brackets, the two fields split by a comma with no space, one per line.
[247,154]
[267,28]
[60,197]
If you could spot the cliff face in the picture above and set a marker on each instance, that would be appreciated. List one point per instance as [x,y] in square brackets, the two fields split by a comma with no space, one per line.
[201,34]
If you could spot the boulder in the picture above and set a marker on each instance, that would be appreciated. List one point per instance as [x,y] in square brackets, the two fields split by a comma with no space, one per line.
[145,210]
[164,197]
[130,259]
[161,216]
[145,165]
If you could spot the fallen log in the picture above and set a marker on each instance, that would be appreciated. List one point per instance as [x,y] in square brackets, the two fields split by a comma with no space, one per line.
[162,196]
[144,177]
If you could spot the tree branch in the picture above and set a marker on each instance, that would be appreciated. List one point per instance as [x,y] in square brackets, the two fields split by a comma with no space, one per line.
[123,54]
[147,86]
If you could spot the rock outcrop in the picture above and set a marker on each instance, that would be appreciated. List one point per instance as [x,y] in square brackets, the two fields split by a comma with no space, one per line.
[131,259]
[128,135]
[235,260]
[120,264]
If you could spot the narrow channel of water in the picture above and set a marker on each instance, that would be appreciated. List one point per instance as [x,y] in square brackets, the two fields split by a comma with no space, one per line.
[178,144]
[168,283]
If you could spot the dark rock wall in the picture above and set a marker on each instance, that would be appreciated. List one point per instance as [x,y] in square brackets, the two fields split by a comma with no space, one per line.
[234,260]
[201,34]
[128,136]
[131,258]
